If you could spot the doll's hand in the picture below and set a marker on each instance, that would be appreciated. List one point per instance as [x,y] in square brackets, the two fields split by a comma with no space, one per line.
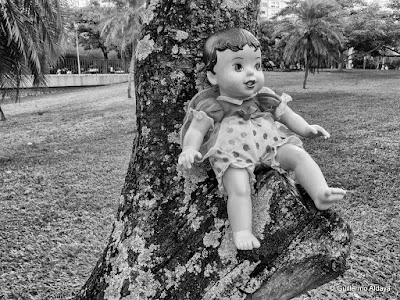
[186,158]
[316,130]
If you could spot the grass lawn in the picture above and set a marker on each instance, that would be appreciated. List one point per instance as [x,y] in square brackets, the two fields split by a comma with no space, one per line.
[63,159]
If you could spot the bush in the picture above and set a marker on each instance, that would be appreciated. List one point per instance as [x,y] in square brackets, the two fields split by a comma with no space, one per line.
[395,64]
[358,63]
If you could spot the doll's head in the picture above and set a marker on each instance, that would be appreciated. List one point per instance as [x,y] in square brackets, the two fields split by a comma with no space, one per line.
[232,60]
[231,38]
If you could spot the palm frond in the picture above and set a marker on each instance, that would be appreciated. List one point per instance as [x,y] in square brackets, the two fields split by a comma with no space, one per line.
[122,28]
[311,31]
[30,32]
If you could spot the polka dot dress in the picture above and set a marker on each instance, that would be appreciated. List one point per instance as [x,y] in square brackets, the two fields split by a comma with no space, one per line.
[247,143]
[243,133]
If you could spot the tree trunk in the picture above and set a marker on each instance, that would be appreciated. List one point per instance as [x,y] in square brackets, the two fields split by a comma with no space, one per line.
[132,67]
[2,116]
[105,51]
[306,70]
[340,61]
[171,238]
[18,85]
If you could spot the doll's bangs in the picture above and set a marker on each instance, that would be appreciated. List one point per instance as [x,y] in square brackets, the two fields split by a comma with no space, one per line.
[235,39]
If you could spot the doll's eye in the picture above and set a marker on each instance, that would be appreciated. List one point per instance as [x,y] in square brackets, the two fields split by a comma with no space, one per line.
[238,67]
[258,66]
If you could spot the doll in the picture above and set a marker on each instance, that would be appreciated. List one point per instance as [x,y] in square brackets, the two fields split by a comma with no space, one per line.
[237,132]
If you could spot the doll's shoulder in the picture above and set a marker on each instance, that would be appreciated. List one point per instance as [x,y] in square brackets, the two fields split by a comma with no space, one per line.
[207,94]
[209,105]
[205,101]
[268,99]
[265,89]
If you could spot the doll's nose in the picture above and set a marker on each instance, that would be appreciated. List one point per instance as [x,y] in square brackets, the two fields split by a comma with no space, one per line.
[250,72]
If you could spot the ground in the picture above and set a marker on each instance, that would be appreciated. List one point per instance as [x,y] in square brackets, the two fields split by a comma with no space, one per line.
[63,158]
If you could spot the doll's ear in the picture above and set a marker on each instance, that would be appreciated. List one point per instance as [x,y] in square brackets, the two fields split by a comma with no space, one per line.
[212,78]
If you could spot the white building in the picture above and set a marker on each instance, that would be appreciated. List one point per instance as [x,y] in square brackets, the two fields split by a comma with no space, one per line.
[382,3]
[79,3]
[269,8]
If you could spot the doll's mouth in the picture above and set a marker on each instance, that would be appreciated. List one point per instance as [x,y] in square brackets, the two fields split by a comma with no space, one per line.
[250,83]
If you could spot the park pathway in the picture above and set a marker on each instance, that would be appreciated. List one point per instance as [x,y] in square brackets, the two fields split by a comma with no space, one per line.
[95,97]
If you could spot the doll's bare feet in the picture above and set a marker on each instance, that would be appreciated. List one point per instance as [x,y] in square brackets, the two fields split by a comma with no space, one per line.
[245,240]
[327,197]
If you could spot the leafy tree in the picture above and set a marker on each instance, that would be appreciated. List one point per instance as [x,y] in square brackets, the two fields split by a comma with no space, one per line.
[310,32]
[90,21]
[394,5]
[123,29]
[370,28]
[30,35]
[265,35]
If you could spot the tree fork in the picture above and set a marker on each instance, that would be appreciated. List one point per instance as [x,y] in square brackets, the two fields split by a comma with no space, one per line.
[171,238]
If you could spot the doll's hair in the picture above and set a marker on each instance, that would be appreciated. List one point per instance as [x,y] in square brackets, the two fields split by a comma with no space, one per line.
[231,38]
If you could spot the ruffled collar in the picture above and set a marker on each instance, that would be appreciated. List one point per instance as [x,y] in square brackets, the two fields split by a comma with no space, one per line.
[234,100]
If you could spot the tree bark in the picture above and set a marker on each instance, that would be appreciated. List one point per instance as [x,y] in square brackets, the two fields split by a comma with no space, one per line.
[18,85]
[2,116]
[306,69]
[340,61]
[132,67]
[171,238]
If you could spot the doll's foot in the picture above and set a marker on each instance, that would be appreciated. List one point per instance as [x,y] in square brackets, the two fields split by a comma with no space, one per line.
[327,197]
[245,240]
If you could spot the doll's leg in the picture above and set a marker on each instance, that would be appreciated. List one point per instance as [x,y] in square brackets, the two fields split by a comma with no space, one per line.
[309,175]
[237,184]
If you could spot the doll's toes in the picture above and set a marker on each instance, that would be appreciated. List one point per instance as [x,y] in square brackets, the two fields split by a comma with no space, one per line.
[245,240]
[243,246]
[256,243]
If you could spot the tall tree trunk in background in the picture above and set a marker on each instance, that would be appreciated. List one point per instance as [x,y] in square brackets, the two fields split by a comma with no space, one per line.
[306,69]
[340,61]
[18,84]
[132,68]
[171,238]
[2,116]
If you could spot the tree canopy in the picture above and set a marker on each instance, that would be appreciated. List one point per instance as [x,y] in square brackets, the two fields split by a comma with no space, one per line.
[89,22]
[105,27]
[317,33]
[30,35]
[369,28]
[310,32]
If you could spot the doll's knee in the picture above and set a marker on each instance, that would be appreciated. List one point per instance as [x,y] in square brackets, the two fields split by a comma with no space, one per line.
[236,182]
[239,190]
[289,156]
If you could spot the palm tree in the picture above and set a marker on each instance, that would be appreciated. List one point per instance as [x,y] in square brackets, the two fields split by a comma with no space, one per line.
[30,33]
[310,32]
[124,29]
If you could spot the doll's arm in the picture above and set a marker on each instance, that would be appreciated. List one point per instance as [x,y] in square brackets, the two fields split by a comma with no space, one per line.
[192,141]
[300,126]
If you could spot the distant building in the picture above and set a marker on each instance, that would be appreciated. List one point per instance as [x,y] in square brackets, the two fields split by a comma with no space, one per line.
[79,3]
[84,3]
[382,3]
[269,8]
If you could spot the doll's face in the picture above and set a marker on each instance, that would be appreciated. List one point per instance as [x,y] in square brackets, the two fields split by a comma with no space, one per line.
[238,74]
